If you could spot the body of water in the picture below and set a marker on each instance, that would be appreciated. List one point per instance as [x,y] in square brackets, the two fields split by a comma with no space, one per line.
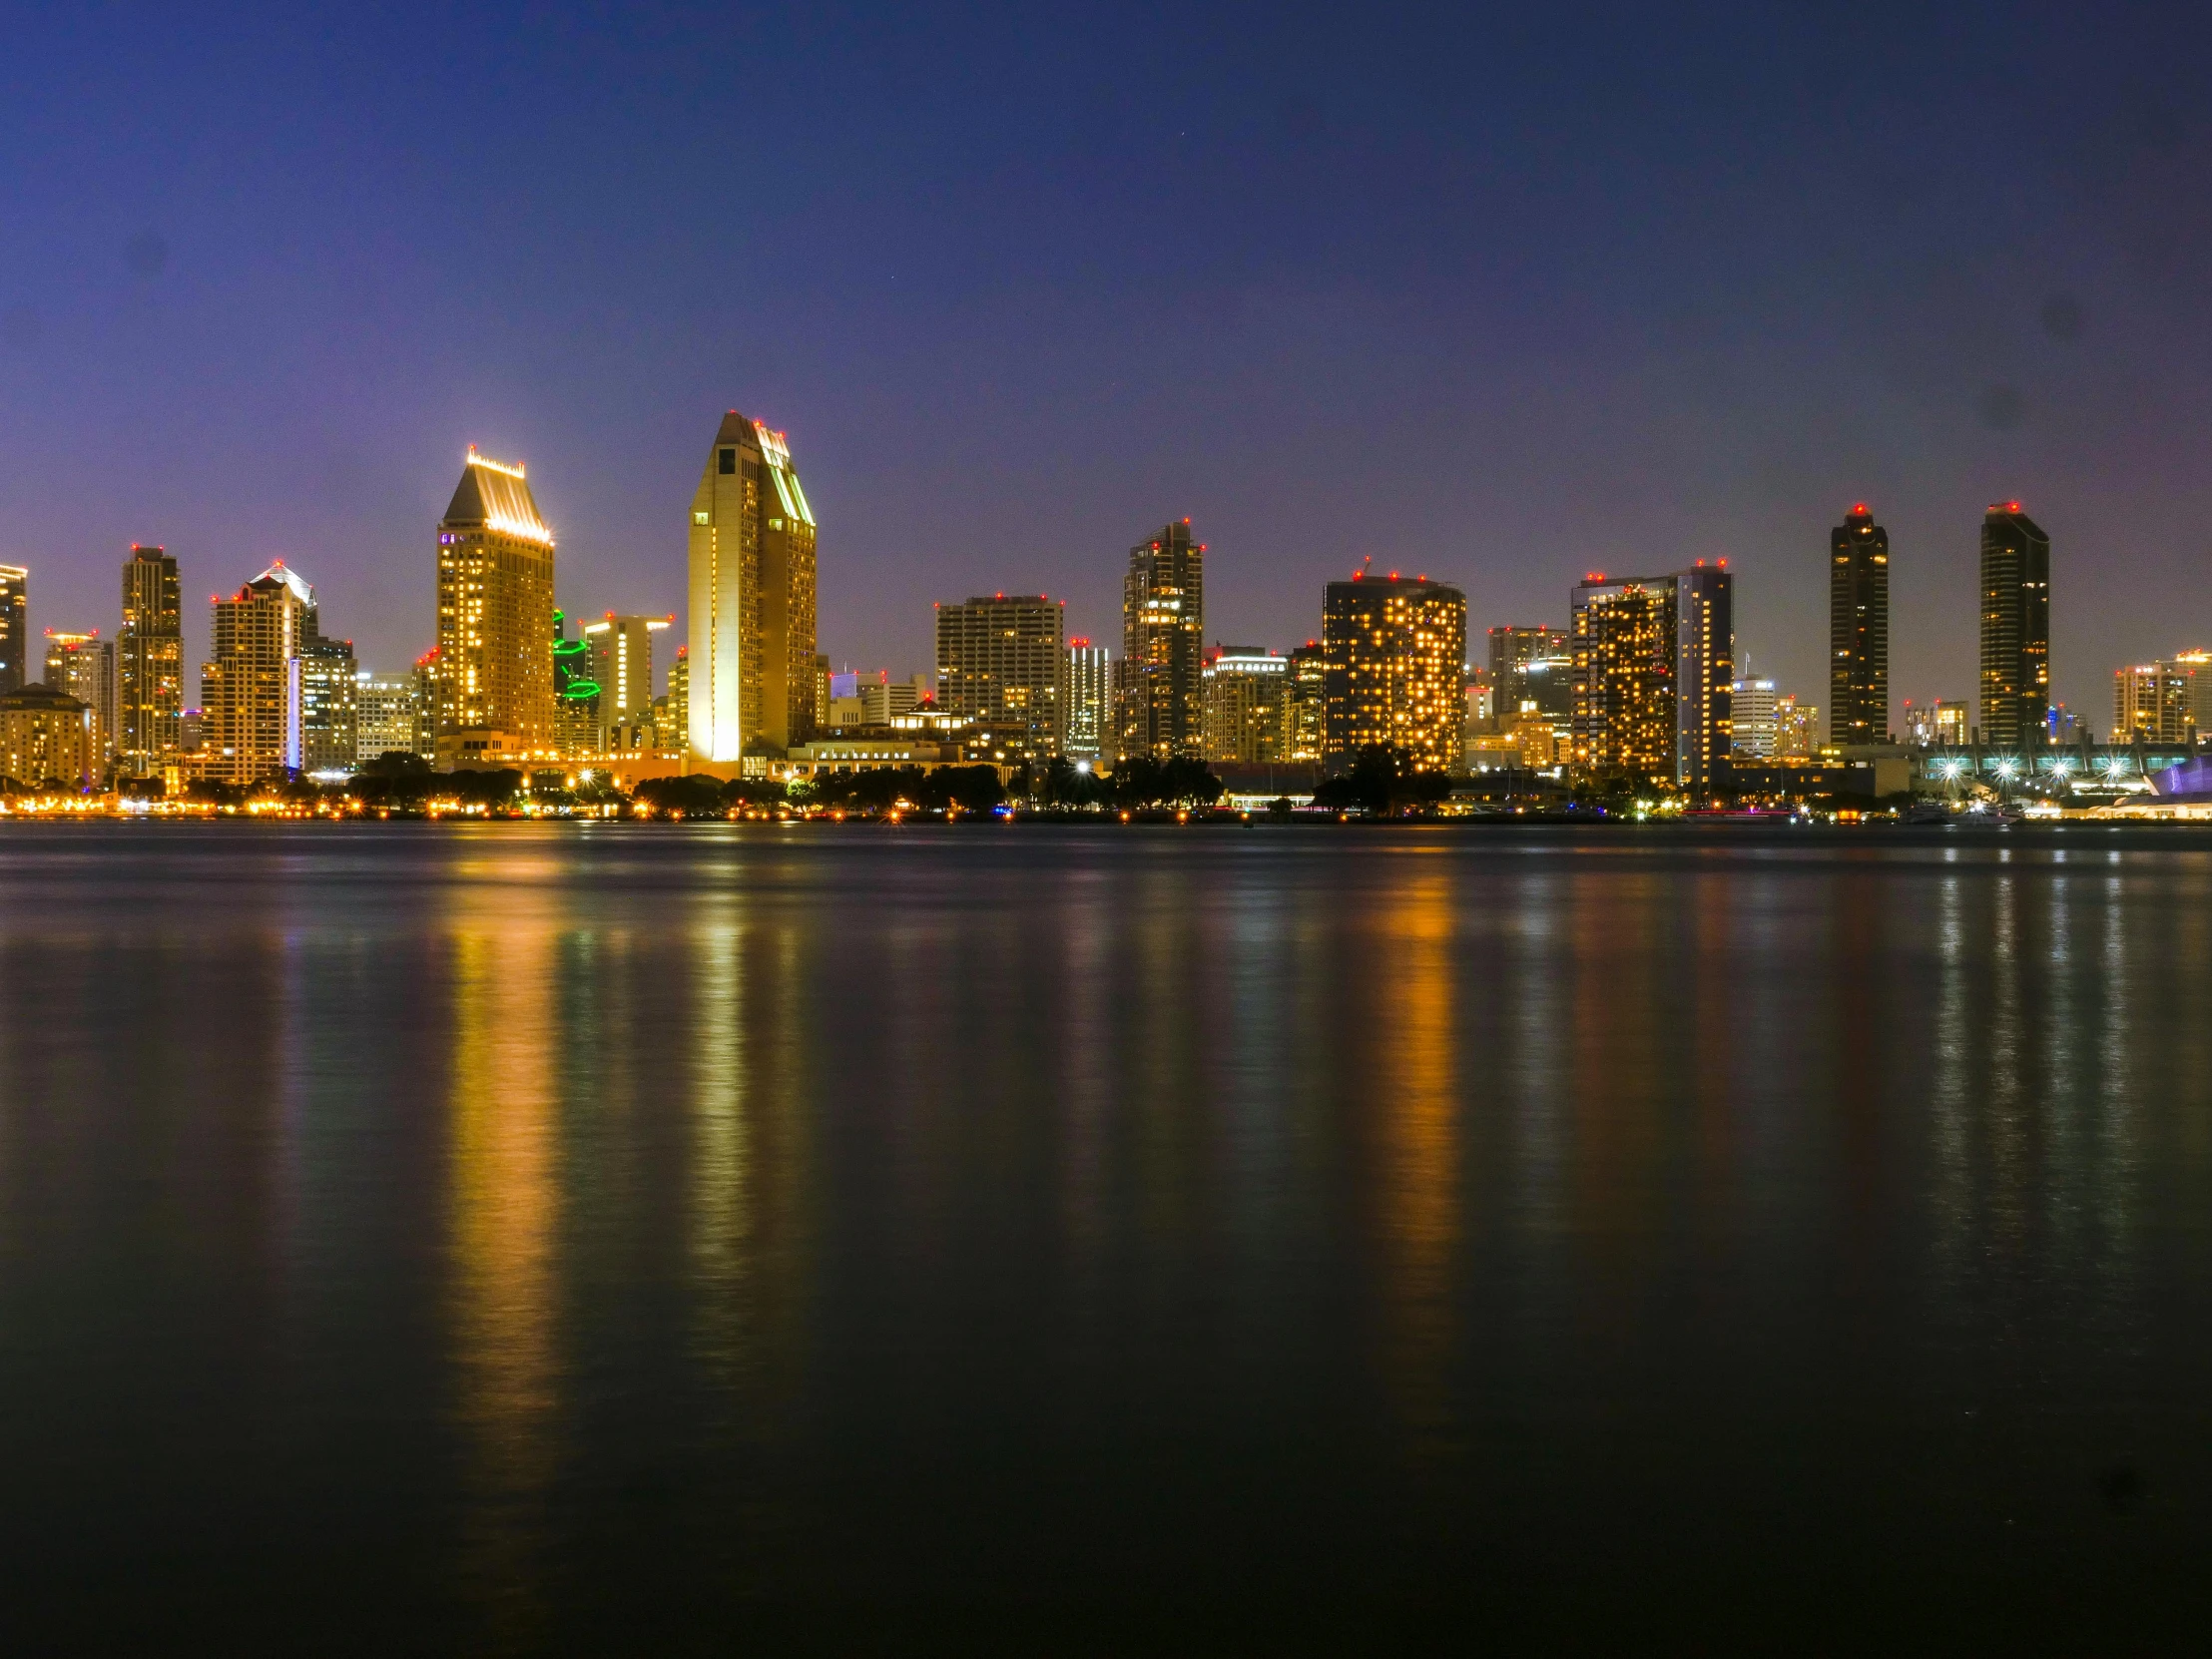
[429,1238]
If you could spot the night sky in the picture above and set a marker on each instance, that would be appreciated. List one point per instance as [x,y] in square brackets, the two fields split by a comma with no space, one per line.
[1494,299]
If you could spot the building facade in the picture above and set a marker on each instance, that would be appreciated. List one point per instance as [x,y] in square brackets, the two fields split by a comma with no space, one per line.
[1247,693]
[1654,676]
[2154,703]
[494,676]
[83,664]
[752,548]
[1160,700]
[1859,630]
[149,666]
[46,737]
[252,695]
[1304,701]
[329,707]
[386,714]
[999,663]
[1752,735]
[1705,675]
[622,666]
[1087,700]
[1533,676]
[575,694]
[2015,629]
[14,628]
[1396,672]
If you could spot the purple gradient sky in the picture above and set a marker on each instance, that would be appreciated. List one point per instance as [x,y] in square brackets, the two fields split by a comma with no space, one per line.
[1495,298]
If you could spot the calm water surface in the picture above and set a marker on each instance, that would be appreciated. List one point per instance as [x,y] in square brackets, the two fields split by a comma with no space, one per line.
[449,1239]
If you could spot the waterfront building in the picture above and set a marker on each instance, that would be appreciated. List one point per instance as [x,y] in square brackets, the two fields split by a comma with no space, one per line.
[1245,693]
[622,665]
[2154,702]
[1087,697]
[14,628]
[2015,629]
[1395,671]
[752,550]
[1654,667]
[999,661]
[250,687]
[46,737]
[1859,630]
[494,676]
[1532,673]
[675,731]
[83,664]
[149,665]
[1753,712]
[866,700]
[1481,714]
[1936,724]
[386,714]
[1160,697]
[1797,728]
[426,704]
[329,707]
[576,722]
[2199,665]
[1305,703]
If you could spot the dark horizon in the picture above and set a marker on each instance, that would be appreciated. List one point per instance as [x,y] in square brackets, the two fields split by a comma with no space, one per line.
[1503,302]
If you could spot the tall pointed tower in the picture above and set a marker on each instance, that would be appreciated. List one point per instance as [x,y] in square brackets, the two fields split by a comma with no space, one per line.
[495,622]
[751,657]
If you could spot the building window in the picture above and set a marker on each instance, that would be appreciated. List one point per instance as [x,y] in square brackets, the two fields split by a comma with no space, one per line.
[728,461]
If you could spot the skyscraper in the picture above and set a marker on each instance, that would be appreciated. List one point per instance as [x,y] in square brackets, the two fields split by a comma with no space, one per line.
[149,665]
[622,666]
[386,714]
[575,693]
[330,704]
[1304,701]
[15,627]
[2156,701]
[1395,670]
[676,735]
[1087,700]
[753,536]
[1159,702]
[1705,675]
[998,662]
[495,611]
[83,664]
[1532,673]
[1859,630]
[2016,628]
[1246,691]
[249,689]
[1752,732]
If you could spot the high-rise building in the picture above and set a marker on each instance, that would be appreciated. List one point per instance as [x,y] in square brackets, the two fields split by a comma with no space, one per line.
[999,658]
[1246,691]
[1396,672]
[676,734]
[1160,705]
[46,737]
[1705,675]
[1936,724]
[251,688]
[1797,728]
[1304,701]
[83,664]
[2156,701]
[753,537]
[1532,673]
[1751,734]
[1654,664]
[1859,630]
[149,665]
[575,693]
[329,706]
[1088,697]
[495,613]
[622,664]
[15,627]
[387,714]
[426,704]
[2016,628]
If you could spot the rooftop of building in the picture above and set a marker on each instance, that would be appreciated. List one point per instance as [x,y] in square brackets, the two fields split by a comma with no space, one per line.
[495,496]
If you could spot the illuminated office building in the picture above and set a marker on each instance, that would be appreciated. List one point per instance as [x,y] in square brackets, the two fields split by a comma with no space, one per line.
[2156,703]
[1160,697]
[1087,696]
[1246,695]
[1859,630]
[1936,724]
[622,666]
[14,628]
[149,665]
[753,537]
[2015,629]
[1797,728]
[1751,712]
[329,706]
[46,737]
[1395,670]
[494,675]
[83,664]
[1000,660]
[676,730]
[1533,674]
[1654,664]
[575,694]
[387,714]
[1304,701]
[250,688]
